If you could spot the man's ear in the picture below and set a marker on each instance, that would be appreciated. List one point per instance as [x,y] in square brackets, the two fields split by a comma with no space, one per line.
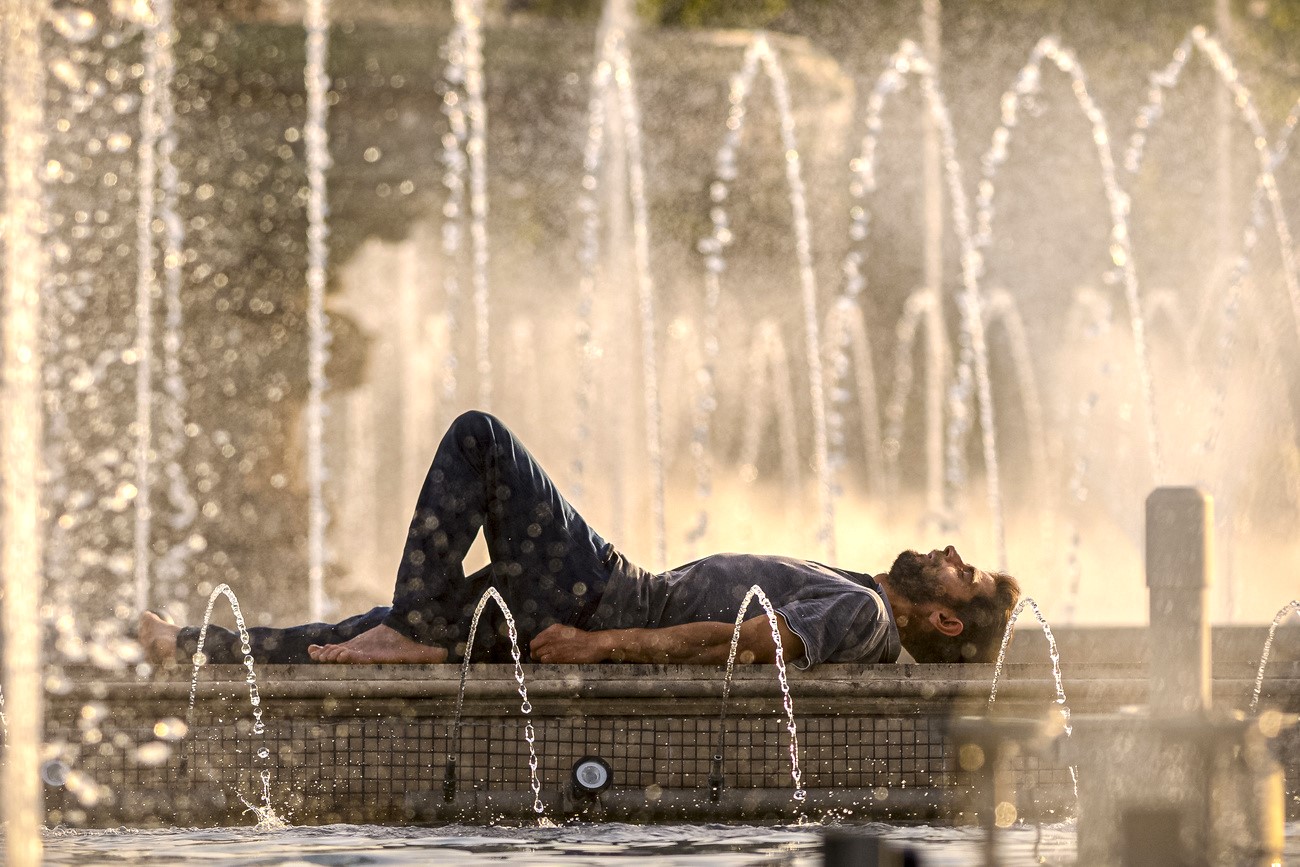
[946,622]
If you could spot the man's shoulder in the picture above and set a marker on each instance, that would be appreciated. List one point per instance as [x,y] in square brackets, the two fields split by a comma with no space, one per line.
[788,574]
[734,559]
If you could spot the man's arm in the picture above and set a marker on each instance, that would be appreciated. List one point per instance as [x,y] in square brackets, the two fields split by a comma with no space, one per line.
[705,643]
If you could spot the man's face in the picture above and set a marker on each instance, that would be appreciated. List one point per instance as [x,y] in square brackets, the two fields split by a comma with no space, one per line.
[940,577]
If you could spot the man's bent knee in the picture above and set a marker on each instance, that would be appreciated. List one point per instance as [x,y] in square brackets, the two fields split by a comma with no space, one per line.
[477,426]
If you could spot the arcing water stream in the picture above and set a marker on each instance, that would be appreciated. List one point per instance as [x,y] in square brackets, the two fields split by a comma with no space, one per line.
[787,702]
[160,178]
[1055,657]
[267,818]
[1291,607]
[525,707]
[614,68]
[714,248]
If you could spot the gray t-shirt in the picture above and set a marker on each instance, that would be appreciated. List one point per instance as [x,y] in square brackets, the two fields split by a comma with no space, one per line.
[841,616]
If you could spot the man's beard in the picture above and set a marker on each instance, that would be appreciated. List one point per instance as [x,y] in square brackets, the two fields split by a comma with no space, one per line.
[912,578]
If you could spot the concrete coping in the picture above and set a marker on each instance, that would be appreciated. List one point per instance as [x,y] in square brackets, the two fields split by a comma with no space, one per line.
[1085,684]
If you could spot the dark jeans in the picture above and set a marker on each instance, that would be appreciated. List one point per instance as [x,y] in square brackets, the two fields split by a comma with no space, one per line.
[547,562]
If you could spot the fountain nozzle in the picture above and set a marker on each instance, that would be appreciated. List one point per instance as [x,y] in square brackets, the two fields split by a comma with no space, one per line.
[716,780]
[449,780]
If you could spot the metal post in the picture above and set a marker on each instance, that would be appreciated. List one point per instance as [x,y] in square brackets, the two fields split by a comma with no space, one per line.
[1179,554]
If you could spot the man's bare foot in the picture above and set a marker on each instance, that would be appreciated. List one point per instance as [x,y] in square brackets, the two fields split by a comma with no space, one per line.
[380,644]
[158,638]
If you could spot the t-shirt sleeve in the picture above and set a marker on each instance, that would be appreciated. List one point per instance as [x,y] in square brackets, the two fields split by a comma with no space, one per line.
[845,627]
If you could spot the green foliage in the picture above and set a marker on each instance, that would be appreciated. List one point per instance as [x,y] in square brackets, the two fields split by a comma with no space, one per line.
[1274,24]
[712,13]
[572,10]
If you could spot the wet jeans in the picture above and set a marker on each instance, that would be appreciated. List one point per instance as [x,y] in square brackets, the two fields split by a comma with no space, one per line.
[547,562]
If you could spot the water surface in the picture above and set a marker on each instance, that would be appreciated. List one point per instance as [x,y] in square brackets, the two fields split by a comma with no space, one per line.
[575,844]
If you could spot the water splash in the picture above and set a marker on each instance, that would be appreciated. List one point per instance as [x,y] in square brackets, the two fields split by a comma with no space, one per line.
[1027,85]
[589,349]
[464,150]
[973,362]
[267,818]
[160,42]
[714,248]
[156,174]
[1265,188]
[768,362]
[683,385]
[454,166]
[146,284]
[525,706]
[756,592]
[917,309]
[1292,606]
[1090,314]
[266,815]
[892,81]
[471,12]
[849,351]
[419,349]
[316,136]
[614,65]
[1270,357]
[970,306]
[631,115]
[69,375]
[1002,309]
[1268,157]
[1055,657]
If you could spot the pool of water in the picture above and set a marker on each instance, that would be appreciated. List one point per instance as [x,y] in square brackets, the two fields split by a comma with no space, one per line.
[575,844]
[572,844]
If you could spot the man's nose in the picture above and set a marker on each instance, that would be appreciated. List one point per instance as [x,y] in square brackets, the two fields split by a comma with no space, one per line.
[951,553]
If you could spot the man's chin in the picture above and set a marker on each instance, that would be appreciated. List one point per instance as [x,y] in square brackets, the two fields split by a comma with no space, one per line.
[910,577]
[908,561]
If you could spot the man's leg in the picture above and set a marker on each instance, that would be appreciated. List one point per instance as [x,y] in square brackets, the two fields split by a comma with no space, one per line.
[164,642]
[273,646]
[549,563]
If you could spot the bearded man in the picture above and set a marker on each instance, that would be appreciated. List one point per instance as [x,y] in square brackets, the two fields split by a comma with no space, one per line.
[576,599]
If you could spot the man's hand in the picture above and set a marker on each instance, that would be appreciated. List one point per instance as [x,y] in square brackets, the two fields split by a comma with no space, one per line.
[558,643]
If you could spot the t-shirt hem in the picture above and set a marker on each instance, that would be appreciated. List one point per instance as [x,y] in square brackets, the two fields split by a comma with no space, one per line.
[807,660]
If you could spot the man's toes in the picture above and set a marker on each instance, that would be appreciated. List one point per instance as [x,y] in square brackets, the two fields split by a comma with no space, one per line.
[323,653]
[335,653]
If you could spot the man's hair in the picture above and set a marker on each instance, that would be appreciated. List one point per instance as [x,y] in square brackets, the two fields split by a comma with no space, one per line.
[984,619]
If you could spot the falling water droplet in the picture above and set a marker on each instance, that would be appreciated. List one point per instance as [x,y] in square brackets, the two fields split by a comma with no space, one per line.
[74,23]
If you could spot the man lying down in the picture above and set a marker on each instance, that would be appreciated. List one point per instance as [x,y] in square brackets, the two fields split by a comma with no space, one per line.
[576,599]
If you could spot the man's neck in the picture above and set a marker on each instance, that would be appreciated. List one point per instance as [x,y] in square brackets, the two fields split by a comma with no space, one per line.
[896,602]
[897,605]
